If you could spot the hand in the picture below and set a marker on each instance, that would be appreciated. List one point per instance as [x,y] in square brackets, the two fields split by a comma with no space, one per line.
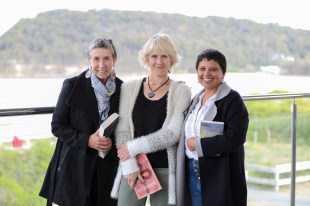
[102,144]
[191,143]
[106,143]
[132,179]
[122,152]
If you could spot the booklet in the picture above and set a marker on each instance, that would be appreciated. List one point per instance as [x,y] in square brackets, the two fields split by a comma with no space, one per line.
[151,183]
[211,128]
[107,128]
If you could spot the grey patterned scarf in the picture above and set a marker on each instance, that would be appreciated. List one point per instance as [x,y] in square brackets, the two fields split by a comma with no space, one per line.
[103,94]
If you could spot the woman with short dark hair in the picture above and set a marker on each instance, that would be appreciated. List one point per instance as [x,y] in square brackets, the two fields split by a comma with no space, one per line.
[77,175]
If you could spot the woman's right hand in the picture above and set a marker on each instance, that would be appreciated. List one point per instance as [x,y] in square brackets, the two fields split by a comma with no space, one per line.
[191,143]
[122,152]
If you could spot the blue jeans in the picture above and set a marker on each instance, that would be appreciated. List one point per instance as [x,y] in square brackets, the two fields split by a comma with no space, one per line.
[194,182]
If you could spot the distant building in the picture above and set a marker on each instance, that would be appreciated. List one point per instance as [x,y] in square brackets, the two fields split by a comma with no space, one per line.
[272,69]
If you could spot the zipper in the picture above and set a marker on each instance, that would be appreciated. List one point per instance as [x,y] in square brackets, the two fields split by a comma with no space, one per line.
[63,159]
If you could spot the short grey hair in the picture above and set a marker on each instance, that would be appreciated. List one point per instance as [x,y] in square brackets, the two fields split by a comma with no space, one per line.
[102,43]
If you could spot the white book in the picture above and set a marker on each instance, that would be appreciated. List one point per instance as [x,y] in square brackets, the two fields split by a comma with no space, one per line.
[211,128]
[107,128]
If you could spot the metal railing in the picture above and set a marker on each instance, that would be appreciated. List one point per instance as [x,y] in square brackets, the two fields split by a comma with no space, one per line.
[49,110]
[293,131]
[26,111]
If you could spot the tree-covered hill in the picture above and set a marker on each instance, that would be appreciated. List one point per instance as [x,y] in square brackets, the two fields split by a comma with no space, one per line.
[55,41]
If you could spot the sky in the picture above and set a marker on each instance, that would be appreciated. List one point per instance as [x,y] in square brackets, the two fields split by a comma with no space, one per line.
[294,14]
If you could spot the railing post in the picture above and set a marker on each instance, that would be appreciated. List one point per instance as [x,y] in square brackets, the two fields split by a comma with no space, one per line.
[277,179]
[293,161]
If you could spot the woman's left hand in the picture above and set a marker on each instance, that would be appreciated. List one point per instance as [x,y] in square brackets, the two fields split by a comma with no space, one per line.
[132,179]
[122,152]
[102,144]
[106,143]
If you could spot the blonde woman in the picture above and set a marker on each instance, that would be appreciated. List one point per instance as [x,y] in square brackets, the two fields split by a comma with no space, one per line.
[151,117]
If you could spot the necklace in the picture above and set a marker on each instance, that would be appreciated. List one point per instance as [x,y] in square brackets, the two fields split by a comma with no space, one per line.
[152,92]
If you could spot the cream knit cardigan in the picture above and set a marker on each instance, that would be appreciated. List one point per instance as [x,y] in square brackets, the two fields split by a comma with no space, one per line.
[167,137]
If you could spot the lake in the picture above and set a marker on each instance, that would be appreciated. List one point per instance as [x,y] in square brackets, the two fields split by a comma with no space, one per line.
[43,92]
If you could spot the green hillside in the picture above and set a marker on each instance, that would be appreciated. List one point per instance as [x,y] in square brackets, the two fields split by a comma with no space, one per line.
[54,42]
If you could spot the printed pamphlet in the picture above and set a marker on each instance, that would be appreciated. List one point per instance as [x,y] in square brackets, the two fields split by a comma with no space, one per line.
[151,183]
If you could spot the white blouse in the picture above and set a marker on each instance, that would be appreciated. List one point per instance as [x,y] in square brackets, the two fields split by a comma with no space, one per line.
[192,124]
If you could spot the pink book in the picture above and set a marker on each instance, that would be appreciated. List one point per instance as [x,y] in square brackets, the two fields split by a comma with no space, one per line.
[151,183]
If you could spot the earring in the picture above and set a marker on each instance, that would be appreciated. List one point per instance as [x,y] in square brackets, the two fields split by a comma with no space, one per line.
[113,74]
[88,73]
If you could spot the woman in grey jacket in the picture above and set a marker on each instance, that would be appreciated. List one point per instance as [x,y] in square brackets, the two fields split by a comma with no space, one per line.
[151,117]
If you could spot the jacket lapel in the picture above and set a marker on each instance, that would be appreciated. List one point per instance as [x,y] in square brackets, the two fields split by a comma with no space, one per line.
[193,104]
[114,101]
[83,98]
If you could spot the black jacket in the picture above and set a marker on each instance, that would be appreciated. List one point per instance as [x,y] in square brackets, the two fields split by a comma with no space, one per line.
[222,173]
[71,170]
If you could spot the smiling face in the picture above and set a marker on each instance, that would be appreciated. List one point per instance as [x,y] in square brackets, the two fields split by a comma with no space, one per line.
[159,63]
[102,62]
[210,75]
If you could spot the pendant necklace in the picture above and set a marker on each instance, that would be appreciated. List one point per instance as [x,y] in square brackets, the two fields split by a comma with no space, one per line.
[152,92]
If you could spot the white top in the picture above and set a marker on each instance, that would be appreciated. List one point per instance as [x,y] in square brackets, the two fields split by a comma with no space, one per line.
[192,125]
